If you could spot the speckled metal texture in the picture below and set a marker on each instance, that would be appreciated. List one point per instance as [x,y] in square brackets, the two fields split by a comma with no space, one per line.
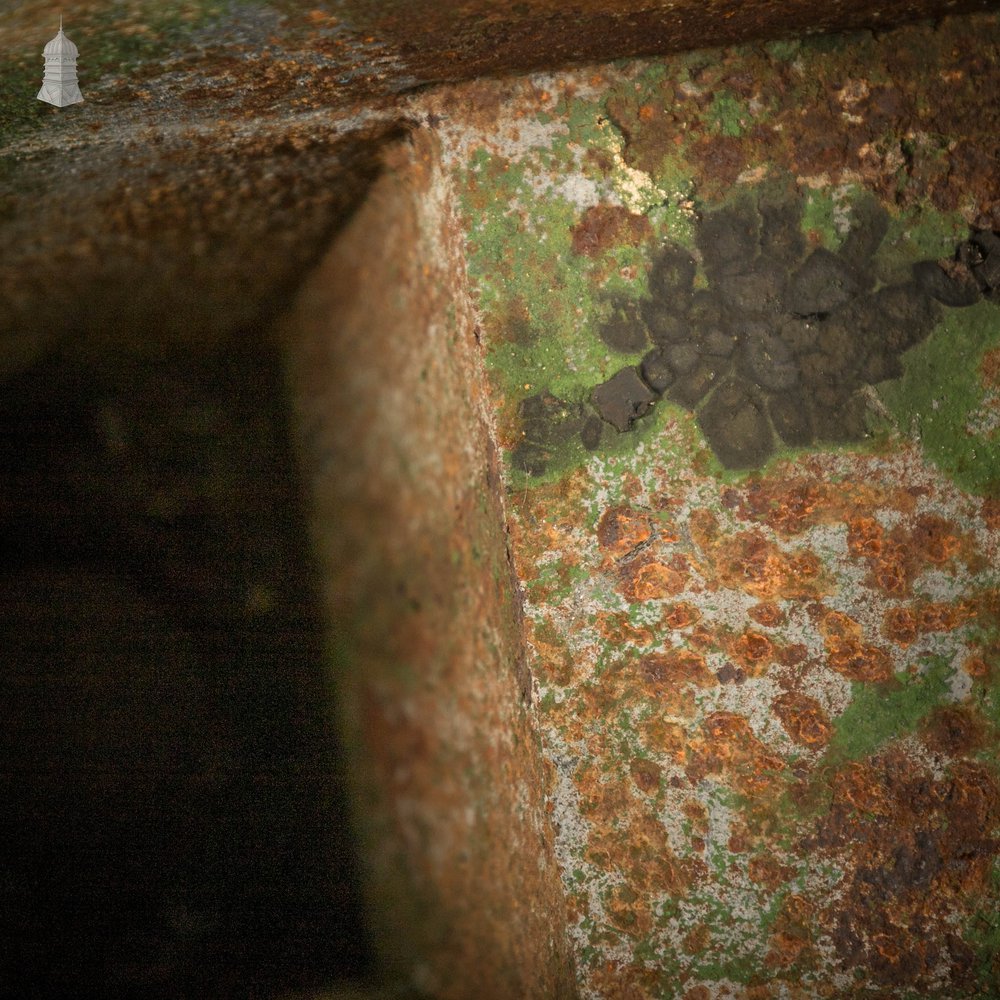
[769,694]
[427,655]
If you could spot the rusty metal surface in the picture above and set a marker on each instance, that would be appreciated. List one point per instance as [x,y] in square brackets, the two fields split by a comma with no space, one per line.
[769,697]
[766,677]
[447,41]
[426,659]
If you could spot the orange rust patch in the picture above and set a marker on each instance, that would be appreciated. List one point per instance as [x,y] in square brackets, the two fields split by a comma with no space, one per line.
[835,626]
[680,615]
[651,581]
[727,727]
[942,617]
[635,981]
[629,911]
[753,650]
[795,910]
[604,226]
[792,655]
[553,658]
[891,571]
[750,562]
[847,654]
[768,614]
[791,506]
[936,539]
[704,528]
[676,666]
[902,625]
[894,561]
[738,843]
[728,747]
[697,813]
[859,661]
[617,629]
[622,529]
[864,537]
[634,842]
[786,946]
[976,666]
[702,637]
[678,701]
[989,369]
[668,738]
[858,785]
[803,719]
[602,800]
[698,993]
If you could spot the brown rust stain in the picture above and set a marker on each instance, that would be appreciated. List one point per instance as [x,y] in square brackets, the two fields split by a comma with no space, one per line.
[803,719]
[727,747]
[646,774]
[753,651]
[649,129]
[989,369]
[651,580]
[915,846]
[757,545]
[552,660]
[955,730]
[859,661]
[896,558]
[676,666]
[615,628]
[681,615]
[767,872]
[621,530]
[605,226]
[768,614]
[751,562]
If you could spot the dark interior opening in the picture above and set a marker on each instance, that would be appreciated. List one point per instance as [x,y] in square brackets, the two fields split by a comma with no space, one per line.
[173,805]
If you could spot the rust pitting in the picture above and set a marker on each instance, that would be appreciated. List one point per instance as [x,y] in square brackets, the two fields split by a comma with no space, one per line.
[914,846]
[803,719]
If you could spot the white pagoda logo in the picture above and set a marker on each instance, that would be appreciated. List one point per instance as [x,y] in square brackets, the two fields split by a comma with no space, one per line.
[59,86]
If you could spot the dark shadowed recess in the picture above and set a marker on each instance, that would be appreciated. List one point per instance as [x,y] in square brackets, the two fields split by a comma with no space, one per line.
[173,807]
[173,794]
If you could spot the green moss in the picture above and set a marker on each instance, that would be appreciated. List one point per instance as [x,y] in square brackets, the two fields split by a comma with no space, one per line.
[19,110]
[543,303]
[818,212]
[531,284]
[982,932]
[941,401]
[881,712]
[784,49]
[740,969]
[727,115]
[918,234]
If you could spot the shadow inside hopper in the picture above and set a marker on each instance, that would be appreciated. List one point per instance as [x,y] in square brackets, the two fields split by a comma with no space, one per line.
[174,815]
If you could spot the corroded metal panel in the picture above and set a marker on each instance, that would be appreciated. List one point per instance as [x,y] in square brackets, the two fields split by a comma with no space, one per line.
[743,348]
